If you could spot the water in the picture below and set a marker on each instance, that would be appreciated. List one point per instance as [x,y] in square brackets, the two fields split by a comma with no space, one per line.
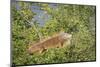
[41,16]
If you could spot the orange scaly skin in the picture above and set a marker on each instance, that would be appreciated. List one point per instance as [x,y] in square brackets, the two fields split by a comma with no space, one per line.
[52,42]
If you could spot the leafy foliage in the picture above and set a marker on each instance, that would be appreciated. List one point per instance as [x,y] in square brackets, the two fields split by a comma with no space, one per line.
[74,19]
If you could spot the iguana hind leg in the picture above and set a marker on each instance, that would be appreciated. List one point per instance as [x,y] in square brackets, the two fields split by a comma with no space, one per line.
[62,44]
[44,50]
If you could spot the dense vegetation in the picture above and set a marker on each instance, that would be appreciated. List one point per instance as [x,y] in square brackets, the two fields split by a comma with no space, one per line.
[78,20]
